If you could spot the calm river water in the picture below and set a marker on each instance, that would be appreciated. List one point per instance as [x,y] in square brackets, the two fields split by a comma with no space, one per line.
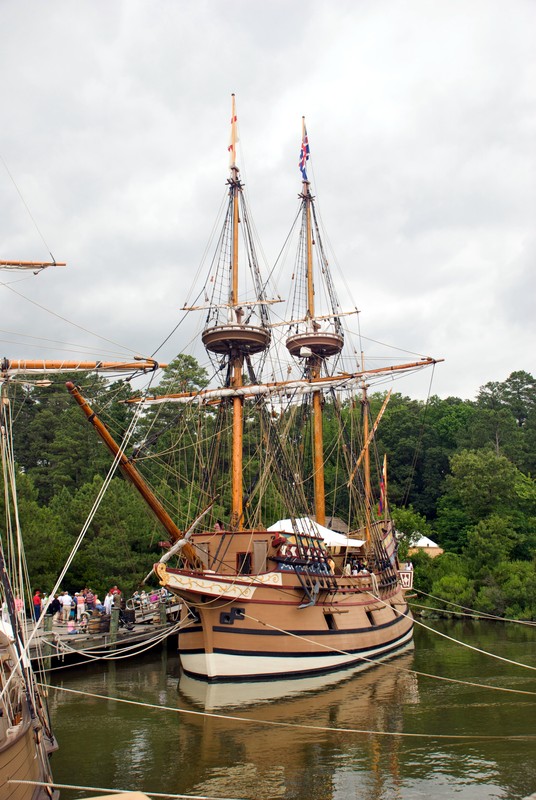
[107,744]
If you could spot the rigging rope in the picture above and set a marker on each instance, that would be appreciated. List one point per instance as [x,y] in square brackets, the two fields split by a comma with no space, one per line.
[474,612]
[96,504]
[393,666]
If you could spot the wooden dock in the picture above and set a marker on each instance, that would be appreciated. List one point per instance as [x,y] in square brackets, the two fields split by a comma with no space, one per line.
[57,642]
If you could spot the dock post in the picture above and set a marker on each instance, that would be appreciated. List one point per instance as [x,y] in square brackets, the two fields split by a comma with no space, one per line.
[163,612]
[114,626]
[48,647]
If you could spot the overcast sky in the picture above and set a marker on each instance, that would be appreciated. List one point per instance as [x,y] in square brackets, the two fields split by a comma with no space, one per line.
[422,124]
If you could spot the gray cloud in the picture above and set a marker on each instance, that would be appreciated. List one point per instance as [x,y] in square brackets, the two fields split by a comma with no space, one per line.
[422,126]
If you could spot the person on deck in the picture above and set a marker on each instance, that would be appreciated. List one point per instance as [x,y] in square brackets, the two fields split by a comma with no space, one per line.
[90,600]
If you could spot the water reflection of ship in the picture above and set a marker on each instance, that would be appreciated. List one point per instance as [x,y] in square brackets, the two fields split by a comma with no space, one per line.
[232,751]
[216,696]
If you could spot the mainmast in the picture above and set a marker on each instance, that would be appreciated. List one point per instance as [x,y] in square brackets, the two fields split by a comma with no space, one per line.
[236,337]
[312,343]
[366,459]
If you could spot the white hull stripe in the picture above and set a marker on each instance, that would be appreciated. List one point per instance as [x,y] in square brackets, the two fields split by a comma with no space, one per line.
[227,666]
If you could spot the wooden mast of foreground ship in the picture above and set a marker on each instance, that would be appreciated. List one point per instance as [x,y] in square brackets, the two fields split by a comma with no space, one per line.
[236,339]
[311,343]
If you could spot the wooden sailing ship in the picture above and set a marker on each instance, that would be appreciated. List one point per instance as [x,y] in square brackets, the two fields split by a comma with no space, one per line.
[26,737]
[257,603]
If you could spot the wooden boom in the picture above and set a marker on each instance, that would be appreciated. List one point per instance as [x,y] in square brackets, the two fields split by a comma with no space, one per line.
[32,264]
[130,472]
[9,366]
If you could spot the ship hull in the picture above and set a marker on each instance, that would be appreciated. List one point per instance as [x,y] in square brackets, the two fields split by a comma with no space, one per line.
[246,665]
[21,759]
[250,628]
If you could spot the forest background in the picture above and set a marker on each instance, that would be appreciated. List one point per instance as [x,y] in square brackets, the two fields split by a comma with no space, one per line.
[460,472]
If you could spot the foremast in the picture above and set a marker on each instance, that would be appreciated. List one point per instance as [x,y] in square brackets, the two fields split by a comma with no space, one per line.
[244,331]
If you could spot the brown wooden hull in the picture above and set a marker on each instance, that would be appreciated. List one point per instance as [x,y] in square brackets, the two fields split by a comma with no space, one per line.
[22,753]
[257,627]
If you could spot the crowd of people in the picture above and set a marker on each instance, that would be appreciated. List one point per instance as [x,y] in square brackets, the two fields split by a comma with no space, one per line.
[65,607]
[355,567]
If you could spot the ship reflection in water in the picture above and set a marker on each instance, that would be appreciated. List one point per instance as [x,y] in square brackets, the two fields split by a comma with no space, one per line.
[220,740]
[270,755]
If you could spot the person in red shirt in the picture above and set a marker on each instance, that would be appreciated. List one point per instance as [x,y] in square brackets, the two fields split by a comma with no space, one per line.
[37,604]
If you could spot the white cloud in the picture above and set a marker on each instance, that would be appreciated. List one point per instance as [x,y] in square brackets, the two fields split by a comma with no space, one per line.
[422,121]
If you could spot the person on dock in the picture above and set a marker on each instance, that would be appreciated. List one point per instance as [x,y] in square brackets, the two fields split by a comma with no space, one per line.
[90,600]
[37,604]
[65,600]
[54,609]
[80,604]
[108,602]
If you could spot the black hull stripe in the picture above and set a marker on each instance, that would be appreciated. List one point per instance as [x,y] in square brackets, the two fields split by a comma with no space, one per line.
[291,654]
[308,633]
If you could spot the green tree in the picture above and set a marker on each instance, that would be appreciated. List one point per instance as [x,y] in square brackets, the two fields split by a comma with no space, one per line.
[517,393]
[481,483]
[454,588]
[490,542]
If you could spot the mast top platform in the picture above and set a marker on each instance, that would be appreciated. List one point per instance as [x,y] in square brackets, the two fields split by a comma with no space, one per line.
[319,343]
[222,339]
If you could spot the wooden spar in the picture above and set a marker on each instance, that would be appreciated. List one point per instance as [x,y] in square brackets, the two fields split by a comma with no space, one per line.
[237,359]
[32,264]
[370,437]
[315,362]
[13,366]
[133,475]
[213,395]
[237,508]
[366,470]
[310,283]
[385,500]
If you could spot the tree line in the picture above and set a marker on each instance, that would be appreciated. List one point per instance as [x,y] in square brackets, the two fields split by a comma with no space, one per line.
[460,472]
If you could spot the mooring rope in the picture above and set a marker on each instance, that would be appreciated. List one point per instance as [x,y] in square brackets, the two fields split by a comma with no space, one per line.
[473,612]
[298,725]
[392,666]
[118,791]
[459,641]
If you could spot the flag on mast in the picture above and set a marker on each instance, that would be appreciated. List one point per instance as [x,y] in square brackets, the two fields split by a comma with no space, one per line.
[234,135]
[304,152]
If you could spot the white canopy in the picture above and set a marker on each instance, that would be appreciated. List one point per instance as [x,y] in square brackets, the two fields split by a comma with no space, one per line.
[421,541]
[309,527]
